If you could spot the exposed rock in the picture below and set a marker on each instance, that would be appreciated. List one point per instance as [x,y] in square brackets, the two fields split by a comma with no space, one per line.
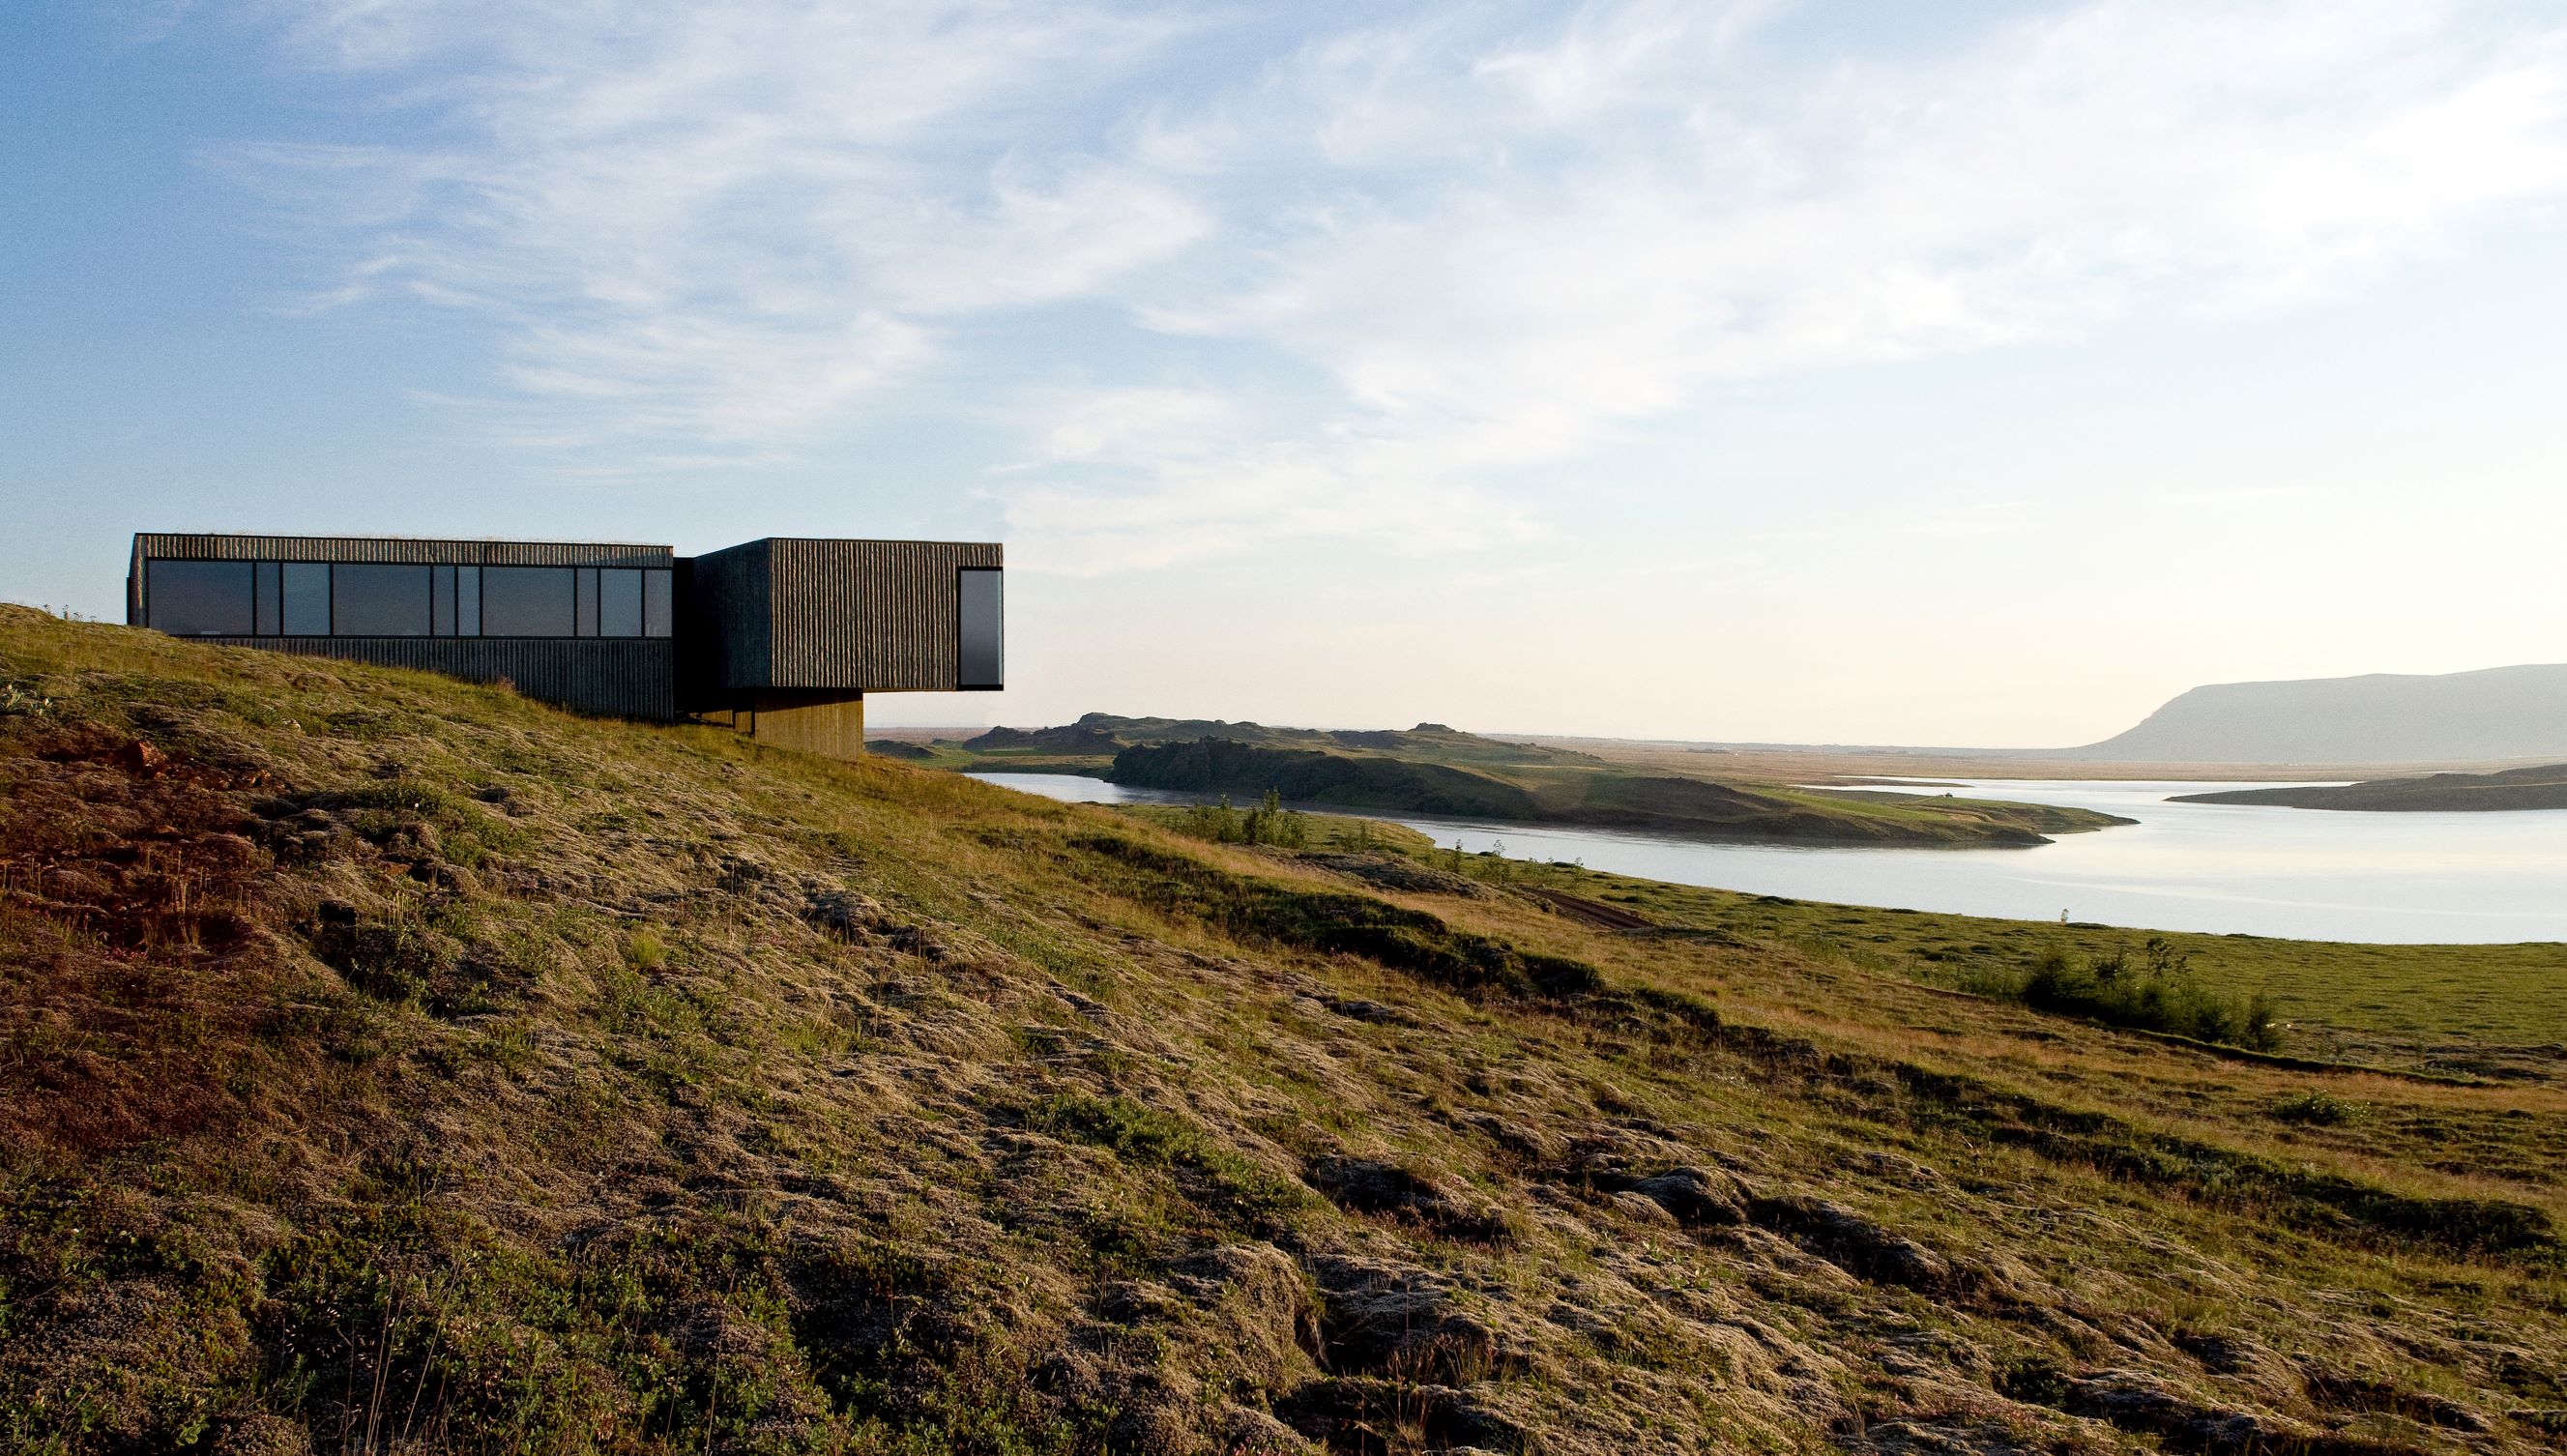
[1358,1414]
[1267,1324]
[1931,1436]
[1641,1208]
[1400,1322]
[1852,1243]
[1357,1008]
[1245,1431]
[2234,1355]
[841,913]
[2138,1402]
[2357,1393]
[140,757]
[1363,1185]
[1695,1197]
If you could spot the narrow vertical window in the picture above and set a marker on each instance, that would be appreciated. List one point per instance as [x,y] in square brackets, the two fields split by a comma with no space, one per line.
[656,613]
[440,600]
[619,603]
[269,605]
[982,639]
[467,601]
[586,609]
[307,599]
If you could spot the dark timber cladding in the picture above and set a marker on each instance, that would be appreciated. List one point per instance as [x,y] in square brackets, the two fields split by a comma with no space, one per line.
[412,603]
[634,679]
[780,637]
[820,616]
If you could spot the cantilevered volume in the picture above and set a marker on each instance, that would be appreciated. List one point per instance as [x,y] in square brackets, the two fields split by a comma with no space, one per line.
[780,637]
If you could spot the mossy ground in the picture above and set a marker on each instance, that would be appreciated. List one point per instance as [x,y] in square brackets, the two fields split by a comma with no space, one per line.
[387,1063]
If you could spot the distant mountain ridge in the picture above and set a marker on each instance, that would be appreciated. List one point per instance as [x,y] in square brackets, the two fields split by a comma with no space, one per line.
[2381,718]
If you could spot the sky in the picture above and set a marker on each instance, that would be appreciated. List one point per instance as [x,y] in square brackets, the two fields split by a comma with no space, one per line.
[1969,373]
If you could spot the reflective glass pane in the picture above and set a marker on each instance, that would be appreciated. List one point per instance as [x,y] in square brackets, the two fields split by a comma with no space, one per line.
[983,659]
[655,612]
[619,603]
[198,598]
[267,599]
[307,599]
[372,599]
[440,600]
[467,601]
[588,601]
[526,601]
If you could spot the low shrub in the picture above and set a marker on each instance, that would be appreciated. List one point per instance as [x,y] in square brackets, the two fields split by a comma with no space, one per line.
[2322,1110]
[1340,924]
[2157,992]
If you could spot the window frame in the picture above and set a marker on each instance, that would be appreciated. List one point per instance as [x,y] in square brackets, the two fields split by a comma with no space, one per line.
[282,594]
[998,679]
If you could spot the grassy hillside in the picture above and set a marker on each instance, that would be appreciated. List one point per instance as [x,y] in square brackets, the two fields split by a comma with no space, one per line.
[1592,794]
[390,1063]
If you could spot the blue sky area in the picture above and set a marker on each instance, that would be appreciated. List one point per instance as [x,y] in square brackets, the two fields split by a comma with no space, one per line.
[1971,374]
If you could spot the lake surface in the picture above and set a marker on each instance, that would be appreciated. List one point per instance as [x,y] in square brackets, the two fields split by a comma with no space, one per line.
[2306,874]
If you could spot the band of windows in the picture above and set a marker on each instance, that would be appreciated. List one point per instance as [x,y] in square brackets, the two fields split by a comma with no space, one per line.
[386,599]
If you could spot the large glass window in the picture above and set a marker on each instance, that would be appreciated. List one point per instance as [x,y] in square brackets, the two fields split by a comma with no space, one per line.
[655,612]
[528,601]
[983,659]
[373,599]
[198,598]
[307,599]
[267,599]
[386,599]
[619,603]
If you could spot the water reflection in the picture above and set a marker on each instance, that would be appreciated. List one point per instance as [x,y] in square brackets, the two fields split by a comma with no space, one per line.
[2222,868]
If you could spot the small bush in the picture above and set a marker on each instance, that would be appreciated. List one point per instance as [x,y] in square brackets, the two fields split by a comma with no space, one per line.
[644,950]
[2157,992]
[2320,1110]
[1266,823]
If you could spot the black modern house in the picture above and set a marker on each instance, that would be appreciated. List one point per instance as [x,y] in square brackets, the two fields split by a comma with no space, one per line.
[779,637]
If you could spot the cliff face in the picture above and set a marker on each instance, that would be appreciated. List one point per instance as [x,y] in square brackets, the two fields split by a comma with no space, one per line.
[390,1064]
[2497,714]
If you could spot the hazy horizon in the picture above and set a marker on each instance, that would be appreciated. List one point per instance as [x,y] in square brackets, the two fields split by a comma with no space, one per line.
[1761,372]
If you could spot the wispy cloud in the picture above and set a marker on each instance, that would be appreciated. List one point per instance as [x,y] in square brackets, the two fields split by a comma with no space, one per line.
[723,225]
[1443,247]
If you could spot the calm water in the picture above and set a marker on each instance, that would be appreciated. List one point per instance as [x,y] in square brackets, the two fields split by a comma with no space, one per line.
[2301,873]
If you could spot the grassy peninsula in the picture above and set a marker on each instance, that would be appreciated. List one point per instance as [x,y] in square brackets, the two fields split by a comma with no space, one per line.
[387,1063]
[2540,788]
[1434,770]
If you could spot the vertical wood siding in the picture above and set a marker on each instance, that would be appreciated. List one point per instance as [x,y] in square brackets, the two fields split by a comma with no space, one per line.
[731,612]
[872,616]
[615,677]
